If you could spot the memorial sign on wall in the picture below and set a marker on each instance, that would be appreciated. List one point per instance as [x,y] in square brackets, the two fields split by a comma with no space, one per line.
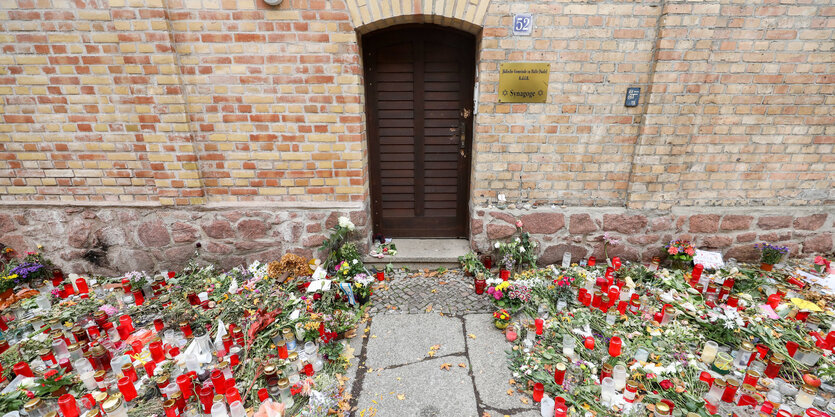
[523,82]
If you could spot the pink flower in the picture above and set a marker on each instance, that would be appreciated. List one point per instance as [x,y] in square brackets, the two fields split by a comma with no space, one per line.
[491,290]
[666,384]
[672,250]
[690,251]
[819,260]
[497,295]
[519,224]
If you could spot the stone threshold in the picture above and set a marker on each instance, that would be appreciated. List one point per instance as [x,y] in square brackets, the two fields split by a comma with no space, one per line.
[423,253]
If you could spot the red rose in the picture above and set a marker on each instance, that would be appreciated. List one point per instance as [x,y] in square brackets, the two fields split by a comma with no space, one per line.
[49,373]
[666,384]
[317,297]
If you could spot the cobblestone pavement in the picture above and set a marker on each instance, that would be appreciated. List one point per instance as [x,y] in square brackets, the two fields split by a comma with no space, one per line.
[428,291]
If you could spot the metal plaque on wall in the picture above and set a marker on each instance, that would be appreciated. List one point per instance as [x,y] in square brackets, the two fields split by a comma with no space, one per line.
[523,82]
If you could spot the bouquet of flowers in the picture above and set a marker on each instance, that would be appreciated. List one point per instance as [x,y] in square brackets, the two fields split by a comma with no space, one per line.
[510,295]
[680,252]
[33,267]
[519,251]
[362,285]
[502,315]
[771,254]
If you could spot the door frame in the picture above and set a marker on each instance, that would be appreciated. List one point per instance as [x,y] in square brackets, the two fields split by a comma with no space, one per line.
[372,137]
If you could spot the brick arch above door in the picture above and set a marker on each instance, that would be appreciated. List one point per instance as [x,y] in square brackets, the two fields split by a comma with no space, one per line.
[371,15]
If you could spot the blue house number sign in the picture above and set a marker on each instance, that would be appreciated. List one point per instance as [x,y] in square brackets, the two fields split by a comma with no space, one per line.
[522,24]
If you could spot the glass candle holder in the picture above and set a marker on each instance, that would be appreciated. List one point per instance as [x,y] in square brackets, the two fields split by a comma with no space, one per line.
[619,377]
[538,391]
[716,390]
[568,343]
[805,396]
[607,390]
[774,365]
[730,390]
[722,363]
[743,356]
[630,391]
[615,346]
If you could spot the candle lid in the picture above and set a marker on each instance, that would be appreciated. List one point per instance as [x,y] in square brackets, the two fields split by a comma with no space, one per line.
[662,408]
[51,414]
[754,373]
[73,346]
[283,383]
[32,404]
[808,388]
[93,413]
[293,356]
[560,366]
[732,382]
[44,351]
[269,370]
[168,404]
[719,382]
[607,367]
[217,398]
[747,345]
[632,384]
[99,374]
[223,364]
[112,404]
[99,396]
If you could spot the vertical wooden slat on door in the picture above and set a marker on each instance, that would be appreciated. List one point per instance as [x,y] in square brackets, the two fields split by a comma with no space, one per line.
[419,83]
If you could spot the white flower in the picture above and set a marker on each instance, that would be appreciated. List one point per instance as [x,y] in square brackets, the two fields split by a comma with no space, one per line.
[496,245]
[346,223]
[522,249]
[518,240]
[354,262]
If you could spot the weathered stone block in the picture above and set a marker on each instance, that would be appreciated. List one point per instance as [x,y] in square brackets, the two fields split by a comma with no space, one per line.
[219,229]
[543,223]
[736,222]
[704,223]
[774,222]
[813,222]
[624,223]
[579,224]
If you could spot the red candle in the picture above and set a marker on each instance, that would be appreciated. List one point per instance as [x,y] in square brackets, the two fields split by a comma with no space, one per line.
[539,324]
[127,389]
[480,284]
[774,300]
[733,300]
[586,299]
[697,274]
[762,350]
[157,353]
[588,342]
[124,332]
[538,391]
[206,397]
[234,359]
[609,272]
[801,315]
[381,276]
[149,368]
[57,277]
[3,325]
[487,261]
[616,262]
[559,373]
[792,346]
[186,329]
[504,274]
[48,356]
[232,395]
[184,382]
[751,378]
[597,300]
[615,345]
[68,406]
[560,410]
[125,285]
[136,345]
[282,350]
[622,307]
[263,394]
[592,260]
[81,284]
[64,363]
[158,325]
[582,292]
[129,371]
[68,290]
[706,378]
[138,298]
[219,381]
[127,322]
[614,294]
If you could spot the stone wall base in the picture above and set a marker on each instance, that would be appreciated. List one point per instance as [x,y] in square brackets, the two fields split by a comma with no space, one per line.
[110,241]
[643,234]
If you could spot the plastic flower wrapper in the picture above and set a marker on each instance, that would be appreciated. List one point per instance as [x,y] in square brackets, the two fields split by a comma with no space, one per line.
[270,408]
[324,398]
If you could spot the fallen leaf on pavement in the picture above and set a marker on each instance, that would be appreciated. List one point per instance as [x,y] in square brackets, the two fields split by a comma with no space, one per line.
[509,392]
[435,347]
[524,400]
[462,364]
[445,366]
[401,397]
[485,414]
[429,308]
[471,336]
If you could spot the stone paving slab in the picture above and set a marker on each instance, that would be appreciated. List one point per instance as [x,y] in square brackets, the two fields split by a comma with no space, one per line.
[425,391]
[402,339]
[489,361]
[450,293]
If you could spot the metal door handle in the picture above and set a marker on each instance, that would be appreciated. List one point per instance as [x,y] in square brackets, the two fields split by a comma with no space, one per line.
[462,134]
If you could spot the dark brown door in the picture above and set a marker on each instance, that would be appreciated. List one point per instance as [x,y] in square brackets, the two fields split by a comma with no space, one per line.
[419,90]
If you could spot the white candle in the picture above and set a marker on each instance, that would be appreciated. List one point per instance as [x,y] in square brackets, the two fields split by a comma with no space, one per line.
[709,352]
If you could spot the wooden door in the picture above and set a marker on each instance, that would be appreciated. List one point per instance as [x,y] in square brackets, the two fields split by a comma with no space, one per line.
[419,102]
